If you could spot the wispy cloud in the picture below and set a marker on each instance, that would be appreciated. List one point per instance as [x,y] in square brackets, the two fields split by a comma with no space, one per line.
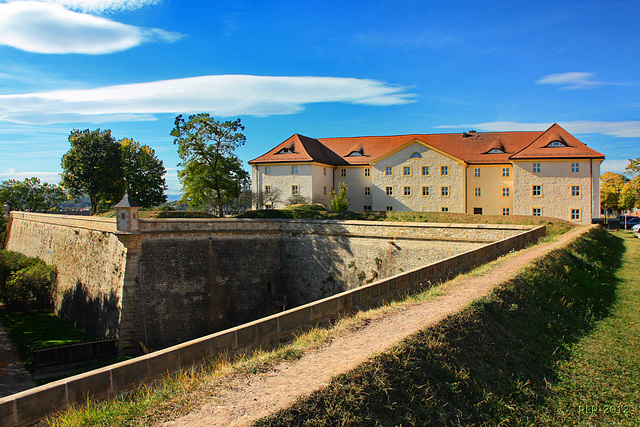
[51,177]
[570,81]
[622,129]
[101,5]
[50,28]
[223,95]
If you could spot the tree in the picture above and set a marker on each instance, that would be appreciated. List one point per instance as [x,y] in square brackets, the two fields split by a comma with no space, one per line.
[339,202]
[93,166]
[30,194]
[143,173]
[611,185]
[211,170]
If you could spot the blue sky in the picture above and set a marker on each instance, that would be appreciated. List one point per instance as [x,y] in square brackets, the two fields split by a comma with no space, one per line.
[321,69]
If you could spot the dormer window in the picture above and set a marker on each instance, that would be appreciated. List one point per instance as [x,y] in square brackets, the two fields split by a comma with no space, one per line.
[285,151]
[354,154]
[556,144]
[495,151]
[415,155]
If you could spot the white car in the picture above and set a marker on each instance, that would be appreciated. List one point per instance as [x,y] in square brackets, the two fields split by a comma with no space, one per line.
[636,228]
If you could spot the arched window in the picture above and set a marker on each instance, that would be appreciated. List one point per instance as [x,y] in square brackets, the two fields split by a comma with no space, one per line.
[415,155]
[556,144]
[495,151]
[354,154]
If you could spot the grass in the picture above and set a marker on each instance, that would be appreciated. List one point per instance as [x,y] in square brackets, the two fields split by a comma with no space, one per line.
[556,345]
[31,331]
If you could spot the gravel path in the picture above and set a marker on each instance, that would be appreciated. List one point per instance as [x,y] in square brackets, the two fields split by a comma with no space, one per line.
[247,398]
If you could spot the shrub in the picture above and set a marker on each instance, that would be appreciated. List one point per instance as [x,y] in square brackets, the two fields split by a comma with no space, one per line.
[339,202]
[25,279]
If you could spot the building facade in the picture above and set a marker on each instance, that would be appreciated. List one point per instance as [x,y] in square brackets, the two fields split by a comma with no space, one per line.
[546,173]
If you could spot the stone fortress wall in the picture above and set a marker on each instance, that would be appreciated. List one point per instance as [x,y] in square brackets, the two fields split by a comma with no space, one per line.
[179,279]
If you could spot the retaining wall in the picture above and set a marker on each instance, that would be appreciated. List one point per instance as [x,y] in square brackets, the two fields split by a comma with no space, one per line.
[31,405]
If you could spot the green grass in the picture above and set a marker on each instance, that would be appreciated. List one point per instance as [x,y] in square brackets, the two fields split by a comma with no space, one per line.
[560,335]
[30,331]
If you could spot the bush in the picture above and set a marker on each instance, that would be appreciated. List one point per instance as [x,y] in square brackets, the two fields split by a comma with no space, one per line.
[24,279]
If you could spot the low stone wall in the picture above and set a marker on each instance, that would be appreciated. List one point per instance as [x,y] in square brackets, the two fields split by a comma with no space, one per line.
[31,405]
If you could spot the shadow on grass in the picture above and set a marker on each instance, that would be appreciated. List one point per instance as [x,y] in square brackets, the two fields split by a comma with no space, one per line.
[491,363]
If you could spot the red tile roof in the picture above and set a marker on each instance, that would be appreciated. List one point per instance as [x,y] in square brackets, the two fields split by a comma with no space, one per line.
[471,147]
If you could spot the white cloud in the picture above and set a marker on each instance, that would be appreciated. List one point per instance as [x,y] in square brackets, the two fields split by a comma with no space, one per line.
[573,80]
[50,177]
[102,5]
[624,129]
[616,166]
[50,28]
[223,95]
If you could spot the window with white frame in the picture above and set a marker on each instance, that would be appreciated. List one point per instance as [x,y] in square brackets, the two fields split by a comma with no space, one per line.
[267,189]
[407,191]
[477,211]
[575,167]
[343,172]
[536,190]
[324,190]
[444,170]
[536,211]
[444,191]
[575,190]
[324,171]
[367,171]
[389,191]
[476,191]
[505,192]
[426,191]
[389,208]
[406,170]
[444,209]
[367,191]
[505,172]
[267,170]
[476,172]
[425,170]
[295,190]
[505,211]
[366,208]
[575,214]
[535,168]
[388,170]
[294,170]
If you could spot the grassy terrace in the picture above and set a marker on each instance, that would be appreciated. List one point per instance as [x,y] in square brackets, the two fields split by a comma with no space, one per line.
[554,346]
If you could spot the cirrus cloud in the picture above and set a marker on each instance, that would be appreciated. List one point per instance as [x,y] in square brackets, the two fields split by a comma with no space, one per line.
[620,129]
[222,95]
[50,28]
[102,5]
[570,81]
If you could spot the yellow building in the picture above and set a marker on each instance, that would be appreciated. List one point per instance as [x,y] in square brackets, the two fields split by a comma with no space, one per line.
[547,173]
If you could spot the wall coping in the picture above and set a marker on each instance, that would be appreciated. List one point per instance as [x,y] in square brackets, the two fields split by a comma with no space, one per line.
[75,221]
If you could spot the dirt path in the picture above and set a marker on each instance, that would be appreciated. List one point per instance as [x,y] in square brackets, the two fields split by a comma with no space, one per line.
[248,398]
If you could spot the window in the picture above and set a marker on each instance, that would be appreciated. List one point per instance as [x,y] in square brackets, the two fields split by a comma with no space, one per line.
[294,170]
[367,191]
[536,190]
[536,168]
[477,211]
[267,189]
[505,172]
[389,208]
[444,191]
[476,191]
[556,144]
[406,170]
[575,190]
[575,167]
[267,170]
[284,151]
[367,171]
[324,171]
[269,206]
[354,154]
[366,208]
[426,191]
[324,190]
[505,211]
[495,151]
[415,155]
[389,191]
[343,172]
[295,190]
[505,192]
[476,172]
[407,191]
[575,214]
[444,170]
[425,171]
[388,170]
[444,209]
[536,211]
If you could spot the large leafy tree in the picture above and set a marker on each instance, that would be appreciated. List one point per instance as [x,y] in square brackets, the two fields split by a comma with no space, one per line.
[93,166]
[611,185]
[211,171]
[143,173]
[30,194]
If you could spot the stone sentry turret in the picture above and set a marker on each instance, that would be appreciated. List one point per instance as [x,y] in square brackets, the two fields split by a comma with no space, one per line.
[127,214]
